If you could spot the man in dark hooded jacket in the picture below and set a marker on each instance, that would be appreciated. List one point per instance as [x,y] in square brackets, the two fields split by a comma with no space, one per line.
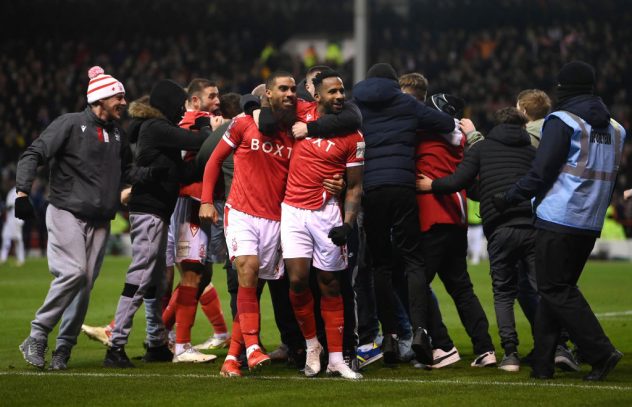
[159,142]
[391,120]
[572,178]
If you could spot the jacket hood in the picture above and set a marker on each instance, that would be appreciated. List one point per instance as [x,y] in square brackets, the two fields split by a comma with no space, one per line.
[168,97]
[510,135]
[139,112]
[376,90]
[302,93]
[589,107]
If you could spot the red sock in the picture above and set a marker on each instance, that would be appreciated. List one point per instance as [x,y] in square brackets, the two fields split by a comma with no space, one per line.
[248,310]
[236,339]
[169,313]
[212,308]
[332,310]
[185,313]
[111,325]
[303,305]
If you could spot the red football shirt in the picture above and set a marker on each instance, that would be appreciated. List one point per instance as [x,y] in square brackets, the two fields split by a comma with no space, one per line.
[315,159]
[261,168]
[436,157]
[193,190]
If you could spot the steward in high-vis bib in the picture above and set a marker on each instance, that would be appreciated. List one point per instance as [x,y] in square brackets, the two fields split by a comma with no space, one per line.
[572,179]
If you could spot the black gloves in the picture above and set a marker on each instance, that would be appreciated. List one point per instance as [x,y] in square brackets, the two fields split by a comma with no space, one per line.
[24,208]
[202,121]
[500,202]
[339,234]
[158,173]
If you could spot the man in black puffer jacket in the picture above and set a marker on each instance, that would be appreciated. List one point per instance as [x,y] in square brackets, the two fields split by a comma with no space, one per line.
[391,120]
[499,161]
[159,142]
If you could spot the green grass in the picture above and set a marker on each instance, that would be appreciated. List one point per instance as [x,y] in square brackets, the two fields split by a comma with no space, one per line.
[606,285]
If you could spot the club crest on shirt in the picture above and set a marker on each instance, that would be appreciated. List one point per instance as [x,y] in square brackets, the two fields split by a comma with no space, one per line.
[233,244]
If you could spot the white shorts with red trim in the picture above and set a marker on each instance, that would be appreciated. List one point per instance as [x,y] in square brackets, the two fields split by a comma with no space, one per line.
[304,235]
[192,239]
[248,235]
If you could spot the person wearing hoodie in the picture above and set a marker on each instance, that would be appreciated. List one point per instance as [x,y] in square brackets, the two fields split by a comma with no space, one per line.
[391,120]
[497,162]
[572,179]
[159,142]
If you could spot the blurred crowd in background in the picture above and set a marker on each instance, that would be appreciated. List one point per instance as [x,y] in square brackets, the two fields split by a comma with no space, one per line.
[483,51]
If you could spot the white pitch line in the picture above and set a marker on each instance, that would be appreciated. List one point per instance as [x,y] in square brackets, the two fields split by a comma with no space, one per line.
[613,314]
[312,380]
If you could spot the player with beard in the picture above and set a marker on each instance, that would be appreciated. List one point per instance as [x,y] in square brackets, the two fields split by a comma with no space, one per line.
[253,211]
[312,228]
[196,247]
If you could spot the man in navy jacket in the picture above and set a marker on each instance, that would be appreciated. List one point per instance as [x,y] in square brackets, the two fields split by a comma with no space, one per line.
[391,120]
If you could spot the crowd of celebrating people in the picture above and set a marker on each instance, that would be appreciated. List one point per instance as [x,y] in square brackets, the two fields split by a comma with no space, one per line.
[345,207]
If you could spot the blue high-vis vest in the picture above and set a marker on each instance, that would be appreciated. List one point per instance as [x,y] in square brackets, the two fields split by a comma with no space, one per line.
[581,194]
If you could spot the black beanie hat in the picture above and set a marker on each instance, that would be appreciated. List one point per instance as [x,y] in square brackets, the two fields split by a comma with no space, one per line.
[576,74]
[168,97]
[382,70]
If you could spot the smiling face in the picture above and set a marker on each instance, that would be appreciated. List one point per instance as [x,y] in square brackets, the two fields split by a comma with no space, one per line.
[112,108]
[330,95]
[282,94]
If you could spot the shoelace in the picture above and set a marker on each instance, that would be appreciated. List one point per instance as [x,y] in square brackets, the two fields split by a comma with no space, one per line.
[38,347]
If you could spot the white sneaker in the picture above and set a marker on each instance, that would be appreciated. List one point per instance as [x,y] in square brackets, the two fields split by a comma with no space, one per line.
[98,333]
[344,371]
[191,355]
[214,342]
[441,358]
[485,359]
[312,360]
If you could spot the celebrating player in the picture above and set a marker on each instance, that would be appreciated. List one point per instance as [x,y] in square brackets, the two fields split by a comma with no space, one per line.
[312,227]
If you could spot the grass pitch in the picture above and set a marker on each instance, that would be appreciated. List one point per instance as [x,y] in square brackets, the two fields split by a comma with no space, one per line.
[606,285]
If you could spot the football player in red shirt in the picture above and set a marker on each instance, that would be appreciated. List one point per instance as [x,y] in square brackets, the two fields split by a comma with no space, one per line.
[313,229]
[253,211]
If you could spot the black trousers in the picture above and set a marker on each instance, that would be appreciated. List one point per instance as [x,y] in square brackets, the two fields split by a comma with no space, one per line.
[368,325]
[445,252]
[232,284]
[391,215]
[560,260]
[506,246]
